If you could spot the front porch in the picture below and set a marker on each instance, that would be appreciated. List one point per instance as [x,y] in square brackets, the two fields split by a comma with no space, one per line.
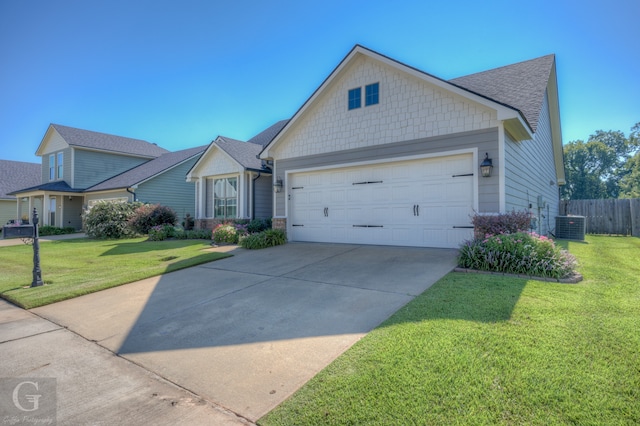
[54,208]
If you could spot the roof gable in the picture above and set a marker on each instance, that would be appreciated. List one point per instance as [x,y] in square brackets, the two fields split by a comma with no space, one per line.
[148,170]
[15,175]
[521,85]
[503,110]
[86,139]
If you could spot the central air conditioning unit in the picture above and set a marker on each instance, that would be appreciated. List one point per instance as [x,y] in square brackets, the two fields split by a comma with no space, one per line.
[571,227]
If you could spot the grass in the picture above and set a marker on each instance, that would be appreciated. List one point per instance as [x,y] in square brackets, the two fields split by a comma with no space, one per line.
[482,349]
[71,268]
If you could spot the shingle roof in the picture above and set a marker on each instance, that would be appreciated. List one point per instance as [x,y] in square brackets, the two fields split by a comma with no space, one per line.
[105,142]
[264,137]
[57,186]
[244,153]
[521,86]
[147,170]
[15,175]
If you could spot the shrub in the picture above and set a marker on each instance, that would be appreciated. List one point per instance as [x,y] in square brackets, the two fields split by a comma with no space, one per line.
[228,233]
[518,253]
[258,225]
[161,232]
[264,239]
[507,223]
[46,230]
[108,220]
[188,223]
[147,216]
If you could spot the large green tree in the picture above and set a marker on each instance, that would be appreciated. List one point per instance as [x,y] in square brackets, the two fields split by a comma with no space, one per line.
[602,166]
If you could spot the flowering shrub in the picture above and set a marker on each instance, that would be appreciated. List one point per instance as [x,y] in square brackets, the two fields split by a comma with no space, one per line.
[229,233]
[147,216]
[108,220]
[518,253]
[506,223]
[161,232]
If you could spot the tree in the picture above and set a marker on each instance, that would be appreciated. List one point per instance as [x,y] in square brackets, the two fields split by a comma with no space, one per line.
[596,168]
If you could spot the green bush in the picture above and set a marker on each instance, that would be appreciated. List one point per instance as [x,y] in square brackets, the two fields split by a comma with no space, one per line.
[258,225]
[147,216]
[46,230]
[109,220]
[519,253]
[264,239]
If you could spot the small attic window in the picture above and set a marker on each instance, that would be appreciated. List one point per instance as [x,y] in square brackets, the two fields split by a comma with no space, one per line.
[371,94]
[355,98]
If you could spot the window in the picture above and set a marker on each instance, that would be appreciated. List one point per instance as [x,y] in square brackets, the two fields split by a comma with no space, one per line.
[371,94]
[52,167]
[60,165]
[355,96]
[225,197]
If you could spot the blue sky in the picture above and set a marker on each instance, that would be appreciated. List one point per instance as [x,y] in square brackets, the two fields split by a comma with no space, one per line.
[180,73]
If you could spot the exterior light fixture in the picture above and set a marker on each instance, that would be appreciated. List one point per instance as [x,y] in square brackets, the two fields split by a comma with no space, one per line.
[277,185]
[486,166]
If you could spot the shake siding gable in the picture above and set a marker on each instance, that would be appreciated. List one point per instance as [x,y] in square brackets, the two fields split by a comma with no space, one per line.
[92,167]
[170,189]
[529,172]
[409,108]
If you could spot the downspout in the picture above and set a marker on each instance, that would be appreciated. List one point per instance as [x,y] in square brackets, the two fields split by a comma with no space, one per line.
[135,198]
[253,196]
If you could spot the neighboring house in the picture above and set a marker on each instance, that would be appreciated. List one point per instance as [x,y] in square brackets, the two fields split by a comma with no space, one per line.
[15,175]
[383,153]
[80,167]
[231,182]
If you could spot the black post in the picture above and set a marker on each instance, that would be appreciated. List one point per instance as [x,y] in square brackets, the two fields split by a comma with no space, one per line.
[37,274]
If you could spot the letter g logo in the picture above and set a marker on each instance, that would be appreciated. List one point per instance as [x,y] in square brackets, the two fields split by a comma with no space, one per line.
[33,399]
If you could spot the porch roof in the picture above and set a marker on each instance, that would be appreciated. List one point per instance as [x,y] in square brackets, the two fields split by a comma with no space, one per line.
[59,186]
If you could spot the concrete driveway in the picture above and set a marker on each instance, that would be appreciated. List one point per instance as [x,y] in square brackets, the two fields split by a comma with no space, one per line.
[246,332]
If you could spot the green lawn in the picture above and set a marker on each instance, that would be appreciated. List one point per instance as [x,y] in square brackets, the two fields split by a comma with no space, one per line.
[71,268]
[482,349]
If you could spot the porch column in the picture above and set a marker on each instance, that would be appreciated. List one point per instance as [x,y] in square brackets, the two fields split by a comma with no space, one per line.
[250,195]
[45,209]
[242,196]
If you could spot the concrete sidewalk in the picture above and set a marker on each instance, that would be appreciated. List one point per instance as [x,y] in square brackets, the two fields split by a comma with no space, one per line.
[95,386]
[247,331]
[17,241]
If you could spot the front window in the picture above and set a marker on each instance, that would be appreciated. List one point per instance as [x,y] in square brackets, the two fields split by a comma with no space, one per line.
[60,165]
[52,167]
[225,197]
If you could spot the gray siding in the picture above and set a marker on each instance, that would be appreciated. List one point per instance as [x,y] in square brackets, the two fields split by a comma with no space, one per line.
[93,167]
[8,211]
[530,172]
[263,197]
[170,189]
[72,212]
[484,140]
[66,173]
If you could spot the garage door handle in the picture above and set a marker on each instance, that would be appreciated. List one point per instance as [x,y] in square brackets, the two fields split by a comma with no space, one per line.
[416,210]
[326,212]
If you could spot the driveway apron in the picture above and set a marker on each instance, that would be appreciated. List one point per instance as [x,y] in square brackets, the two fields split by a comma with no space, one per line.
[247,331]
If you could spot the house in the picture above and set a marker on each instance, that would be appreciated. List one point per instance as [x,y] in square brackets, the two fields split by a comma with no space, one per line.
[14,175]
[80,167]
[231,182]
[384,153]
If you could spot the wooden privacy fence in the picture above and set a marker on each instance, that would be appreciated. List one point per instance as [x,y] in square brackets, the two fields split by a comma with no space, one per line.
[620,217]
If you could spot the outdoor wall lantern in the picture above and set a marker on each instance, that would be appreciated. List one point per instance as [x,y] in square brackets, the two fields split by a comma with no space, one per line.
[486,166]
[277,185]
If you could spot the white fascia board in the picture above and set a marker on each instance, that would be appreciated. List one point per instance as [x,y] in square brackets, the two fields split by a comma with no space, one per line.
[190,175]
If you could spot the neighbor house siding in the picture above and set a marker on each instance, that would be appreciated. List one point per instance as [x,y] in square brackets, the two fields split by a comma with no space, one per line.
[8,211]
[530,172]
[92,167]
[482,140]
[409,109]
[263,197]
[170,189]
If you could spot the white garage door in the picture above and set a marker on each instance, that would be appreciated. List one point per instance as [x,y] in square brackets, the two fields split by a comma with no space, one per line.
[425,203]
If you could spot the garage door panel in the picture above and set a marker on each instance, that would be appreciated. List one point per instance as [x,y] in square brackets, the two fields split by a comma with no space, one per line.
[417,203]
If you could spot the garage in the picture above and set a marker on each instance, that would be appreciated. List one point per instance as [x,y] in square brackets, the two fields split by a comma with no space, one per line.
[424,203]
